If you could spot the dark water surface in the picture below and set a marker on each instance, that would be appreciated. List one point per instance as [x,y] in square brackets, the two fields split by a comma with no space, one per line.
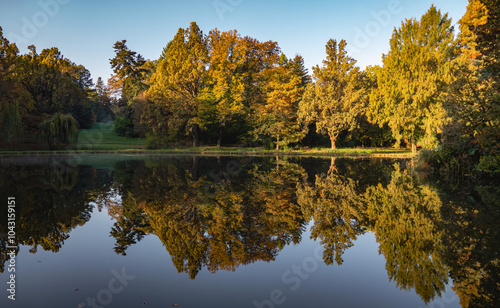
[184,231]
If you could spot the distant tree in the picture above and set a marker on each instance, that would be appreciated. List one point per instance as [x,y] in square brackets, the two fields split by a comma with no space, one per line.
[414,74]
[336,97]
[102,102]
[131,74]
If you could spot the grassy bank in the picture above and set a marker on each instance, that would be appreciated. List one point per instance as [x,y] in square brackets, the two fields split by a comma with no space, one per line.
[102,139]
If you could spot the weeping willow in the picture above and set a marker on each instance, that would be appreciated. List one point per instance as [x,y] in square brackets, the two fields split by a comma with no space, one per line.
[60,128]
[10,122]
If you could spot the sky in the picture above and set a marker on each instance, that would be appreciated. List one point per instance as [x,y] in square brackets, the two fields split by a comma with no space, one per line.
[85,31]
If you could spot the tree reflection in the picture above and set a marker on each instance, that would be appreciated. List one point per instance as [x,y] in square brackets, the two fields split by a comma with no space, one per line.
[405,218]
[336,208]
[221,222]
[220,213]
[472,243]
[51,199]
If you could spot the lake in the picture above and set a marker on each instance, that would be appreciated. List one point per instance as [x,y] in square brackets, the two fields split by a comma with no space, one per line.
[198,231]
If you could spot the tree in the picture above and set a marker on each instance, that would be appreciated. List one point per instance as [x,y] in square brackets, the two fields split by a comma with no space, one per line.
[234,84]
[277,116]
[473,99]
[55,84]
[178,80]
[14,99]
[102,102]
[484,33]
[225,91]
[60,127]
[412,79]
[127,68]
[131,72]
[336,97]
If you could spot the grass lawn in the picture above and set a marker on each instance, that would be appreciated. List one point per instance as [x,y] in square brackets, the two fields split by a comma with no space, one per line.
[101,137]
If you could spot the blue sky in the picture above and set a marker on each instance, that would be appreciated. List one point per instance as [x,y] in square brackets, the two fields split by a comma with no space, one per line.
[85,31]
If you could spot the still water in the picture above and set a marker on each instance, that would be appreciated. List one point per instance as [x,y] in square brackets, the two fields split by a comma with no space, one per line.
[193,231]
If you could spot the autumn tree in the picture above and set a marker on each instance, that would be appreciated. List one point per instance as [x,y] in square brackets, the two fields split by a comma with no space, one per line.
[177,82]
[235,82]
[277,115]
[224,95]
[412,79]
[473,97]
[14,99]
[336,97]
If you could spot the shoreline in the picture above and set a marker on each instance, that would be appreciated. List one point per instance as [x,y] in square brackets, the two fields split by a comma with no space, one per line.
[362,153]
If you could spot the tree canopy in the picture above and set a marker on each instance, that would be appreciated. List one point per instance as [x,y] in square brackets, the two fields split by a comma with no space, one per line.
[413,78]
[336,97]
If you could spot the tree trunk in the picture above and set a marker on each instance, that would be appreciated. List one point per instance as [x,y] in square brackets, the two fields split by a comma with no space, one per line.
[196,136]
[278,143]
[195,168]
[332,140]
[333,167]
[413,145]
[219,140]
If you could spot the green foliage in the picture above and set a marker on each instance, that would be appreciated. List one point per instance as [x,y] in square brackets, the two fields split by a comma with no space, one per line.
[129,68]
[59,129]
[56,85]
[277,115]
[336,98]
[176,84]
[473,101]
[412,79]
[14,99]
[123,127]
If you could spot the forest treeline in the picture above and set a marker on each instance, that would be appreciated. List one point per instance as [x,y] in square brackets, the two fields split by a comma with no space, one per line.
[434,90]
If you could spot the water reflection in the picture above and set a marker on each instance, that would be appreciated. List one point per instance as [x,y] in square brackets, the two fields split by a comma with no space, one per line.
[222,213]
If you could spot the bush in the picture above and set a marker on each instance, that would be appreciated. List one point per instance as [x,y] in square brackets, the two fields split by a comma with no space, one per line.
[155,142]
[123,127]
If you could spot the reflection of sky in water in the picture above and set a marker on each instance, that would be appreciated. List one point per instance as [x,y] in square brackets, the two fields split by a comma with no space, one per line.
[85,261]
[298,277]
